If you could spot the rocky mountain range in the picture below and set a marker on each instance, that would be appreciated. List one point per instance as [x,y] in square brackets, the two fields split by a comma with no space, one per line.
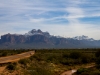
[39,39]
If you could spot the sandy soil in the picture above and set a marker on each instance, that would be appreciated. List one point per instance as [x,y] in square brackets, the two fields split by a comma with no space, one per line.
[2,68]
[16,57]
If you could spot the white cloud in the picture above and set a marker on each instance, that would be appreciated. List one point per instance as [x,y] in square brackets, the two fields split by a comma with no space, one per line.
[50,15]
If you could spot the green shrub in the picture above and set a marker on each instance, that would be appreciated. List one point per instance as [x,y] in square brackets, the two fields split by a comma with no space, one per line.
[97,54]
[24,61]
[75,55]
[11,67]
[81,70]
[97,72]
[86,58]
[65,55]
[4,54]
[40,71]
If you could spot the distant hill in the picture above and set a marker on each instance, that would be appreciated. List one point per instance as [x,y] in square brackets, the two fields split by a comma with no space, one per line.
[39,39]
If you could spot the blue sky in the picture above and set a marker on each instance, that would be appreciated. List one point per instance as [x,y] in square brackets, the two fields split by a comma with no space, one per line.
[66,18]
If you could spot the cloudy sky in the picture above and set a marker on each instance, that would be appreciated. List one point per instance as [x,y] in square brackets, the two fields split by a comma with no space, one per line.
[67,18]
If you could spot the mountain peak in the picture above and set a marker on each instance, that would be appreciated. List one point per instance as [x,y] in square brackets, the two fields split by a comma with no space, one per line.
[83,37]
[37,32]
[33,30]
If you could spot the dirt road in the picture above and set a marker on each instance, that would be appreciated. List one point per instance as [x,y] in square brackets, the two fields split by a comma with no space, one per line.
[16,57]
[70,72]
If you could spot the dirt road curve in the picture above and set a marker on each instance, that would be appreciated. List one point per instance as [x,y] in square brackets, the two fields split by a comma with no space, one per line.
[16,57]
[70,72]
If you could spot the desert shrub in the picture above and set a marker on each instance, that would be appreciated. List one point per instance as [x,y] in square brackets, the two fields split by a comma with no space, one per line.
[86,58]
[54,58]
[65,62]
[97,54]
[37,56]
[4,54]
[98,61]
[68,61]
[40,71]
[24,61]
[97,72]
[31,57]
[81,70]
[65,55]
[11,67]
[75,55]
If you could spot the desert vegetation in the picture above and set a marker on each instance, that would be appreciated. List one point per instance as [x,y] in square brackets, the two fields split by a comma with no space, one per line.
[53,62]
[11,52]
[93,70]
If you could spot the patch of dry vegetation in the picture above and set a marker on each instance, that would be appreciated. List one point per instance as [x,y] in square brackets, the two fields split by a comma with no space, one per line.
[50,62]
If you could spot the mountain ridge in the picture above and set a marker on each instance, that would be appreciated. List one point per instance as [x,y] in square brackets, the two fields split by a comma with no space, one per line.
[39,39]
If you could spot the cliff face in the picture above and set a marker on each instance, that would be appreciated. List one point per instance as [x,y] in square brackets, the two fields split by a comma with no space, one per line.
[12,38]
[37,39]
